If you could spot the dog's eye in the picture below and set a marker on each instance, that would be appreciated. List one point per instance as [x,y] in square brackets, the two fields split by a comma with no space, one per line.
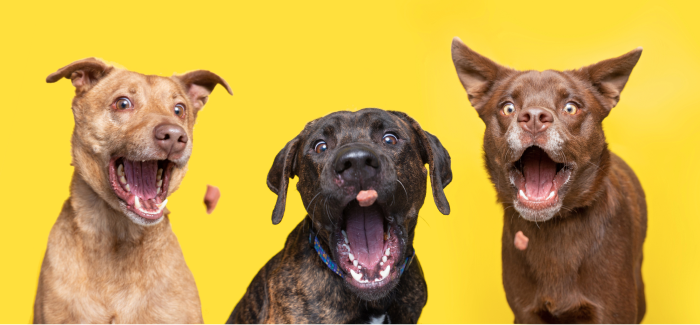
[571,108]
[321,146]
[508,109]
[179,110]
[390,139]
[123,103]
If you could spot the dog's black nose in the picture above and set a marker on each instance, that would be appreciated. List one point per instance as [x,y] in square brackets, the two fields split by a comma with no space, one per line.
[535,119]
[171,138]
[357,162]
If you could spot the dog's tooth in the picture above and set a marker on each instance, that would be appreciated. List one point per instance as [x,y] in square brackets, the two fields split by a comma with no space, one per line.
[120,170]
[137,204]
[388,252]
[351,257]
[381,263]
[128,189]
[159,183]
[162,204]
[385,273]
[384,258]
[359,267]
[551,195]
[159,191]
[354,263]
[346,246]
[345,236]
[122,179]
[159,175]
[356,276]
[523,195]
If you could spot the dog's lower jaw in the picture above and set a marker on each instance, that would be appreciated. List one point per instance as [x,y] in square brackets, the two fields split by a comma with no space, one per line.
[137,219]
[536,215]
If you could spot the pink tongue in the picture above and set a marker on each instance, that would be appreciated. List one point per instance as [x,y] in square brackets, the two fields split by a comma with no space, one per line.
[539,171]
[141,177]
[365,229]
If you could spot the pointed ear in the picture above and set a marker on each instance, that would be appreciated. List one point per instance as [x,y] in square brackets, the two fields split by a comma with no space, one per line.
[199,84]
[278,177]
[610,76]
[437,158]
[476,72]
[83,74]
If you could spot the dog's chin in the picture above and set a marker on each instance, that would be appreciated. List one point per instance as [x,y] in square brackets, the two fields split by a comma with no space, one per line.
[368,250]
[141,187]
[539,184]
[137,219]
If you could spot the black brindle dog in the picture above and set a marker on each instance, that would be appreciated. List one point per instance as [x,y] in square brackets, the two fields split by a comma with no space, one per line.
[349,262]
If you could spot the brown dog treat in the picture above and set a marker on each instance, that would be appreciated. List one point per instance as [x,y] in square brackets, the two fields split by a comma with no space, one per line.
[211,198]
[521,241]
[366,198]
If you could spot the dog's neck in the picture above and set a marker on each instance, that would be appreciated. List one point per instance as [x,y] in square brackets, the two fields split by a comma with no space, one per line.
[99,223]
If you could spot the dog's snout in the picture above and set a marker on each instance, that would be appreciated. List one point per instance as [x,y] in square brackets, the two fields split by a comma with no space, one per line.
[535,119]
[171,138]
[357,162]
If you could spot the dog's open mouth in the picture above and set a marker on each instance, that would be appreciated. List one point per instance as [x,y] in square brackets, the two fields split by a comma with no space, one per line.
[538,178]
[368,247]
[142,185]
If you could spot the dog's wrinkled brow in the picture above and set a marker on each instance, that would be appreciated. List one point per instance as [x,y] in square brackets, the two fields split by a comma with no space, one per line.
[328,130]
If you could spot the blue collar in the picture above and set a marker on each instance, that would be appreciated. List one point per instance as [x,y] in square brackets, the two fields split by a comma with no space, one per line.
[334,267]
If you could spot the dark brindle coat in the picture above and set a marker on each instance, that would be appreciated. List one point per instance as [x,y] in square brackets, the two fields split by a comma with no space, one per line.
[295,286]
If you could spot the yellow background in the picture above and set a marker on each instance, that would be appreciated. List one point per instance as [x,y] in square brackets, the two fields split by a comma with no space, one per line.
[289,63]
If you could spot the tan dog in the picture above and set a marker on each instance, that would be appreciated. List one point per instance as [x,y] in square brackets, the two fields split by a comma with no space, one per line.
[112,256]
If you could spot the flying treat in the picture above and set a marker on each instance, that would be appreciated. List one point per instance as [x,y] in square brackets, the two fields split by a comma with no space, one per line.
[211,198]
[366,198]
[521,241]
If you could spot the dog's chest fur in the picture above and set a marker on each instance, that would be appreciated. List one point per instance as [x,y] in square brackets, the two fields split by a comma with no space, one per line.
[582,268]
[89,275]
[295,286]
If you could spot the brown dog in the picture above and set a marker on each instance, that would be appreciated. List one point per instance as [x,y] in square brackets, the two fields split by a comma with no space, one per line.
[112,256]
[580,208]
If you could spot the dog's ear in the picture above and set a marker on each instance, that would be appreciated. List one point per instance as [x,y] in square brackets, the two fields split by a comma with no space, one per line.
[476,72]
[610,76]
[278,177]
[83,74]
[199,84]
[438,159]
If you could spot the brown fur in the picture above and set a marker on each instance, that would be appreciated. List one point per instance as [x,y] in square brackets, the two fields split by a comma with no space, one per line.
[100,266]
[582,262]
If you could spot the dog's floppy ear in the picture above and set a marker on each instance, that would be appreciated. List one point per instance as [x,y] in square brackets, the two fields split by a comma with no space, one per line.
[199,84]
[437,158]
[476,72]
[278,177]
[83,73]
[610,76]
